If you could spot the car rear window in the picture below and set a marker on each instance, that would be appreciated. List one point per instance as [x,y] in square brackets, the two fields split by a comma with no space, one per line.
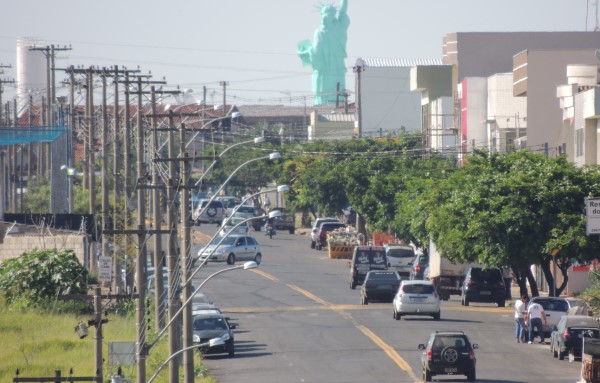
[331,226]
[492,275]
[382,276]
[400,253]
[553,305]
[418,289]
[450,341]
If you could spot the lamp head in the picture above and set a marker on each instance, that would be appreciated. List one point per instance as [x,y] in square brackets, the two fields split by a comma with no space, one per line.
[63,167]
[236,114]
[250,265]
[283,188]
[258,140]
[274,156]
[219,107]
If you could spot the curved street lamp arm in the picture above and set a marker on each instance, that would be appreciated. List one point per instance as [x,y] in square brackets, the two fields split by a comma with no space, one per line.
[162,332]
[219,156]
[174,355]
[215,194]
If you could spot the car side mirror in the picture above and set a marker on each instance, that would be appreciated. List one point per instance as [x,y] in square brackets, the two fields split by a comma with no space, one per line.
[475,346]
[554,328]
[421,346]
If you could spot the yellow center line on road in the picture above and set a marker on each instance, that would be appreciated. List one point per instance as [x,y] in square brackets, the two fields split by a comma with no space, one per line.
[389,350]
[309,295]
[393,354]
[266,275]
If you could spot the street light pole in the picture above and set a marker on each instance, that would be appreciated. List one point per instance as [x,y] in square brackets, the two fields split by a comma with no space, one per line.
[271,156]
[211,343]
[256,140]
[272,214]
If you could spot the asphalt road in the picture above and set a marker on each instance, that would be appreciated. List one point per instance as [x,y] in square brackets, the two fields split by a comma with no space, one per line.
[299,321]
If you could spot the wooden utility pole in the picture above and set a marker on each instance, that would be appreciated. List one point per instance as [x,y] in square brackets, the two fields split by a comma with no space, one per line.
[172,258]
[141,281]
[157,218]
[104,174]
[188,356]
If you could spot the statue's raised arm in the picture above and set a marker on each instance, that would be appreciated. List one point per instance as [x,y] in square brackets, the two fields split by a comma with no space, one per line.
[343,9]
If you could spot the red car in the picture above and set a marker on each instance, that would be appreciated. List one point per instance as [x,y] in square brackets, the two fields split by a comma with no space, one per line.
[325,228]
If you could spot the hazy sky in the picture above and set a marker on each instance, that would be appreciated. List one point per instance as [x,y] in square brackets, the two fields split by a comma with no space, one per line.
[252,44]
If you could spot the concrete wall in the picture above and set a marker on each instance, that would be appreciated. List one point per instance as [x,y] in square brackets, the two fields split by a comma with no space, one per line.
[474,112]
[387,102]
[546,71]
[15,245]
[482,54]
[506,114]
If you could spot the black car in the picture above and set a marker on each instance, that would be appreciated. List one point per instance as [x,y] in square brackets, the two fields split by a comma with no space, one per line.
[379,286]
[483,285]
[211,326]
[567,336]
[448,353]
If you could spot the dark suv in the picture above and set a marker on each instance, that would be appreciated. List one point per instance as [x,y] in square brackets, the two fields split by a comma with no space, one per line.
[365,259]
[448,353]
[483,285]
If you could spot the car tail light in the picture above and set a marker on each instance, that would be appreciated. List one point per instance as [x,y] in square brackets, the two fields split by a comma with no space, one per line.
[429,354]
[353,272]
[565,335]
[418,267]
[471,355]
[468,281]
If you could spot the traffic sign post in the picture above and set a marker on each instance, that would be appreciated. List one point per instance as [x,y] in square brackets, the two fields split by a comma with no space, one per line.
[104,269]
[592,213]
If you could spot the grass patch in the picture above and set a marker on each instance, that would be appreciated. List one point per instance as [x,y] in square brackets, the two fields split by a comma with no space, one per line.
[38,342]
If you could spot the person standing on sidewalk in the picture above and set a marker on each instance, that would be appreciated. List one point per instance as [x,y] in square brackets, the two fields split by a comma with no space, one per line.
[520,313]
[535,317]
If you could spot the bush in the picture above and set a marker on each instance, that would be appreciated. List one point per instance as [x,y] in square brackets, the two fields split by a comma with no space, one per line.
[36,279]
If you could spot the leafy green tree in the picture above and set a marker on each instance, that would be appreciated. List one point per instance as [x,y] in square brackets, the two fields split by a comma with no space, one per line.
[39,276]
[37,198]
[512,210]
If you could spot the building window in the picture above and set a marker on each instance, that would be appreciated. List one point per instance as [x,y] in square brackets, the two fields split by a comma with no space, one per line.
[579,142]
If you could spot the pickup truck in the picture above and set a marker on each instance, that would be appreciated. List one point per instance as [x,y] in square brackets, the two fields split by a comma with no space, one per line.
[286,222]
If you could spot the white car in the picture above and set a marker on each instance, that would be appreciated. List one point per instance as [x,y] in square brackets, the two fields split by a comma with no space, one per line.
[400,258]
[417,298]
[228,226]
[554,307]
[230,249]
[314,232]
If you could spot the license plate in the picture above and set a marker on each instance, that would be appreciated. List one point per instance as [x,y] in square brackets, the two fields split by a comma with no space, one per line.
[417,299]
[450,369]
[486,293]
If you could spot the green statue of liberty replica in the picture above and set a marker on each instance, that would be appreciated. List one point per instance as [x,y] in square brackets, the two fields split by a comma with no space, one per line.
[328,53]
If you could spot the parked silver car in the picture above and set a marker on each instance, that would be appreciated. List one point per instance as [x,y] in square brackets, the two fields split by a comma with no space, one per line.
[232,248]
[416,298]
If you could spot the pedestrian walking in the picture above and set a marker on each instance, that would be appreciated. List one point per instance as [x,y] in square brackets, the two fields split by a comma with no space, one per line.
[520,313]
[535,317]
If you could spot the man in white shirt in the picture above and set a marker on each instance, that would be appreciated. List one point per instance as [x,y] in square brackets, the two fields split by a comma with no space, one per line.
[535,317]
[520,312]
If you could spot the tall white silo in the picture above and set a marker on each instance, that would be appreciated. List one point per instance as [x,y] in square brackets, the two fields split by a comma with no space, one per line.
[31,73]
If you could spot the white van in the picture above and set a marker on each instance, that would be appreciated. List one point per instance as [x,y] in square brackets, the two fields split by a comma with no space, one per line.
[400,258]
